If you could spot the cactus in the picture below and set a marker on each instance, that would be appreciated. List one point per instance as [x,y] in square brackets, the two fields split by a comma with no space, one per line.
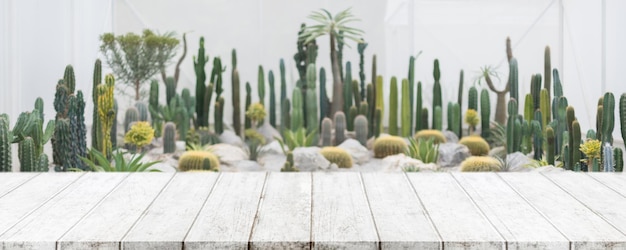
[550,150]
[60,100]
[537,132]
[406,109]
[454,118]
[561,106]
[618,154]
[575,152]
[608,118]
[169,138]
[393,107]
[154,105]
[511,136]
[338,156]
[472,101]
[297,117]
[480,164]
[485,113]
[418,108]
[371,107]
[340,127]
[79,131]
[289,165]
[6,138]
[476,145]
[437,101]
[198,160]
[131,115]
[29,159]
[199,64]
[95,125]
[261,85]
[535,90]
[361,49]
[544,106]
[327,126]
[324,101]
[529,111]
[460,96]
[364,109]
[142,111]
[236,100]
[247,121]
[311,112]
[170,89]
[512,80]
[347,88]
[219,116]
[622,115]
[437,120]
[547,70]
[430,134]
[69,79]
[360,129]
[379,102]
[114,125]
[424,118]
[106,114]
[272,104]
[352,113]
[285,119]
[608,163]
[377,123]
[390,145]
[216,77]
[63,140]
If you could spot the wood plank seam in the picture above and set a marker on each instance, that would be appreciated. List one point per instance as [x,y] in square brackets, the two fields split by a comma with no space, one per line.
[16,187]
[585,205]
[604,184]
[219,178]
[482,213]
[43,203]
[311,222]
[369,207]
[145,210]
[258,210]
[538,211]
[421,203]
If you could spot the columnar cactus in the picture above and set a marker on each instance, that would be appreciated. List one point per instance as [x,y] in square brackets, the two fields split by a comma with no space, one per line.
[324,101]
[437,100]
[142,110]
[371,107]
[418,108]
[69,79]
[285,118]
[62,136]
[535,90]
[113,132]
[550,150]
[361,49]
[327,126]
[512,80]
[608,162]
[561,106]
[618,154]
[510,133]
[297,115]
[608,121]
[454,120]
[6,138]
[424,114]
[340,127]
[352,113]
[219,116]
[393,107]
[347,89]
[411,79]
[261,85]
[547,70]
[247,121]
[29,159]
[199,63]
[437,119]
[169,138]
[312,121]
[379,101]
[364,109]
[544,105]
[272,104]
[622,115]
[472,100]
[360,129]
[485,113]
[236,96]
[378,123]
[406,109]
[131,115]
[460,95]
[106,113]
[97,79]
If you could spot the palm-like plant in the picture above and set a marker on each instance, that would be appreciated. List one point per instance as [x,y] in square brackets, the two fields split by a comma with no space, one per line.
[335,27]
[101,164]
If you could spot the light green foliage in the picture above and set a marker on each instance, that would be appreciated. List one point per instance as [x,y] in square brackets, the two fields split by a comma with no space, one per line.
[425,150]
[198,160]
[297,139]
[139,135]
[480,164]
[389,145]
[426,134]
[338,156]
[120,164]
[476,145]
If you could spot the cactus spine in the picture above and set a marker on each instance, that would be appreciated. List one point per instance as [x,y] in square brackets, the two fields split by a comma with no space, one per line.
[485,113]
[327,126]
[340,127]
[393,107]
[360,128]
[202,112]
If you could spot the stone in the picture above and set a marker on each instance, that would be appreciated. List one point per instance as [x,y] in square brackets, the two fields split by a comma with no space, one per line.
[309,159]
[359,153]
[400,162]
[450,136]
[272,162]
[228,154]
[268,131]
[498,152]
[273,148]
[229,137]
[452,154]
[518,162]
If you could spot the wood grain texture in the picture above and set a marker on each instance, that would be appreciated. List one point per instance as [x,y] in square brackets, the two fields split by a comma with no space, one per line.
[225,221]
[10,181]
[166,223]
[615,181]
[284,216]
[599,198]
[341,215]
[42,228]
[581,226]
[460,224]
[17,204]
[517,221]
[400,218]
[105,226]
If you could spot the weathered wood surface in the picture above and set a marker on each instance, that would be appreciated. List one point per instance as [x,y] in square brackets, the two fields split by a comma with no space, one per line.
[312,210]
[584,228]
[460,224]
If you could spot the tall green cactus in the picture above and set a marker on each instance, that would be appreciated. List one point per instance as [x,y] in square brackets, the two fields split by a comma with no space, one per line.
[131,115]
[361,49]
[379,102]
[297,115]
[550,150]
[170,89]
[347,89]
[424,115]
[364,109]
[199,64]
[272,104]
[437,101]
[236,96]
[437,119]
[485,113]
[340,127]
[544,106]
[561,118]
[216,77]
[377,122]
[535,90]
[97,79]
[393,107]
[142,109]
[511,135]
[169,138]
[622,115]
[547,70]
[537,132]
[69,79]
[360,129]
[114,125]
[514,79]
[355,90]
[460,100]
[29,159]
[608,122]
[311,112]
[472,100]
[575,152]
[285,119]
[418,108]
[352,113]
[324,101]
[219,116]
[618,154]
[261,85]
[406,109]
[454,115]
[6,138]
[153,102]
[411,79]
[327,127]
[247,121]
[370,102]
[62,136]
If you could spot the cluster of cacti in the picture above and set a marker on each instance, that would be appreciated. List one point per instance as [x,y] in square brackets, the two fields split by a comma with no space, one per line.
[201,136]
[198,160]
[480,164]
[338,156]
[512,82]
[425,134]
[476,145]
[389,145]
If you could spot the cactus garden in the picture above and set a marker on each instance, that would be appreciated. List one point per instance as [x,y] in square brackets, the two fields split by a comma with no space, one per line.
[341,118]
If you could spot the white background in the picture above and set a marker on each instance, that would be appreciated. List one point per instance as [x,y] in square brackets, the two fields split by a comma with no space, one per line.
[38,38]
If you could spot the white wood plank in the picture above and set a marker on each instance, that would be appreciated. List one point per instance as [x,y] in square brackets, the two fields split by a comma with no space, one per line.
[599,198]
[517,221]
[227,217]
[615,181]
[581,226]
[400,218]
[42,228]
[15,205]
[460,224]
[167,221]
[10,181]
[341,214]
[107,223]
[284,216]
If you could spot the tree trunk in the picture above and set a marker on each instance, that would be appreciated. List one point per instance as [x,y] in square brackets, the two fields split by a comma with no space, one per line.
[337,104]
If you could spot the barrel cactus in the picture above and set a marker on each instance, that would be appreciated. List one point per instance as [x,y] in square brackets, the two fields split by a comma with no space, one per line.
[390,145]
[198,160]
[476,145]
[426,134]
[336,155]
[481,164]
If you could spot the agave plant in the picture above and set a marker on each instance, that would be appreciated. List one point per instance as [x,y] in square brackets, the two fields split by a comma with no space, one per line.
[120,164]
[426,151]
[335,27]
[297,139]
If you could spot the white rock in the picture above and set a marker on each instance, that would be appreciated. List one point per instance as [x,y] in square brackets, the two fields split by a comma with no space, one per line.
[273,148]
[359,153]
[228,154]
[180,146]
[399,162]
[268,131]
[229,137]
[452,154]
[518,162]
[309,159]
[272,162]
[498,151]
[450,136]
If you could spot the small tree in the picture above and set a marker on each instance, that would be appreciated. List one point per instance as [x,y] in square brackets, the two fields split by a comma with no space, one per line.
[136,58]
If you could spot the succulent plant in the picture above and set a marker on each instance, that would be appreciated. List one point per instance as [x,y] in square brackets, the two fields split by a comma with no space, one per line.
[481,164]
[426,134]
[198,160]
[139,135]
[425,150]
[336,155]
[476,145]
[389,145]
